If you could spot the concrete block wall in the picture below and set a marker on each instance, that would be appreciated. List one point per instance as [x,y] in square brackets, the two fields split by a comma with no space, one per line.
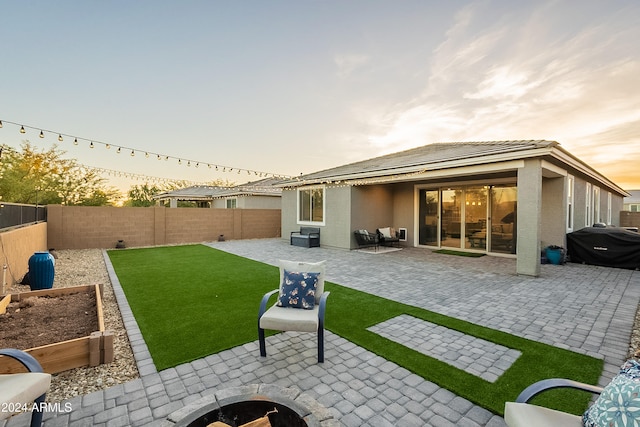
[629,219]
[83,227]
[16,246]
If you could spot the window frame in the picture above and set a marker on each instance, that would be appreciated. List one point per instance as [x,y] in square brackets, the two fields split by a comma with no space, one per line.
[300,221]
[231,199]
[570,202]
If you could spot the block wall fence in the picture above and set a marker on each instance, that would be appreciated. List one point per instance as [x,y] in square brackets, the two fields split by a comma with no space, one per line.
[87,227]
[629,219]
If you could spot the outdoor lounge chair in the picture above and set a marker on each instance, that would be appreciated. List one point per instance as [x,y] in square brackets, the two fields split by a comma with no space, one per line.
[292,311]
[23,390]
[522,414]
[364,239]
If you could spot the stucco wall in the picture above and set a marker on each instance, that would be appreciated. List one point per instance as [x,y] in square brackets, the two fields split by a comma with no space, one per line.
[16,248]
[372,208]
[554,209]
[81,227]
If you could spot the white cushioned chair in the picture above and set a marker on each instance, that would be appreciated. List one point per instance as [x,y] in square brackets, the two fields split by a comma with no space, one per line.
[290,318]
[27,388]
[522,414]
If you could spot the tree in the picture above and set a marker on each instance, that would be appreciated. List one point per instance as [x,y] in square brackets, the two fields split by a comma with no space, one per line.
[46,177]
[142,195]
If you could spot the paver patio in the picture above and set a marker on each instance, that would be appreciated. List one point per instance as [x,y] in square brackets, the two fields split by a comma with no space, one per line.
[583,308]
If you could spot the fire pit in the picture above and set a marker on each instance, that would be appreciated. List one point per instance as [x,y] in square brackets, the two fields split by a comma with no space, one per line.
[254,405]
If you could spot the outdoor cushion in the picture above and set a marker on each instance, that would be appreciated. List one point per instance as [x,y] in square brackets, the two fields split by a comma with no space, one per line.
[290,319]
[525,415]
[305,267]
[619,402]
[298,290]
[386,232]
[21,389]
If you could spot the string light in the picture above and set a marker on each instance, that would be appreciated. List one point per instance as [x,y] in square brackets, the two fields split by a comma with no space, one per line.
[147,154]
[91,145]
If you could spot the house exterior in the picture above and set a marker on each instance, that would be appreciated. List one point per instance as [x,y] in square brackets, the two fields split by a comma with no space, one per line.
[507,198]
[632,203]
[262,194]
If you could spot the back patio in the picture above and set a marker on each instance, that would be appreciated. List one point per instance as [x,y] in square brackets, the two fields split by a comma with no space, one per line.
[583,308]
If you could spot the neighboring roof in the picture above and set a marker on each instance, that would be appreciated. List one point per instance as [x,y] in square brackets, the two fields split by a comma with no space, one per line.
[445,155]
[634,198]
[263,187]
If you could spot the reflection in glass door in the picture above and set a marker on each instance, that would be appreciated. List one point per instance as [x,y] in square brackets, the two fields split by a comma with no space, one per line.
[475,218]
[451,226]
[504,219]
[428,217]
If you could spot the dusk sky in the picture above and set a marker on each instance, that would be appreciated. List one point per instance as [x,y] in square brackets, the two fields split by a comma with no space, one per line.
[290,87]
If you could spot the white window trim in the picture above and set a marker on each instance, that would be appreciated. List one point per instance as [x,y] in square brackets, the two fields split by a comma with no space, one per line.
[570,203]
[230,198]
[596,204]
[588,208]
[609,208]
[324,205]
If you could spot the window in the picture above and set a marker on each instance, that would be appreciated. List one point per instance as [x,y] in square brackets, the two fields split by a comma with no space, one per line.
[609,216]
[635,208]
[596,204]
[232,203]
[311,205]
[587,210]
[569,204]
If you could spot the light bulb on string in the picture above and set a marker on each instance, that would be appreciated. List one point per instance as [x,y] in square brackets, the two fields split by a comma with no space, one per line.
[41,134]
[75,141]
[146,155]
[159,158]
[118,150]
[22,129]
[91,145]
[132,153]
[107,146]
[0,124]
[60,137]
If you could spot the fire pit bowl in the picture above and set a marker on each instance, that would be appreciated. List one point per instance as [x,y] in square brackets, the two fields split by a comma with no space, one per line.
[285,407]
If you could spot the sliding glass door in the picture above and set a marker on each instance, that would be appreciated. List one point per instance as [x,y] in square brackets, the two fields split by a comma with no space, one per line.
[428,217]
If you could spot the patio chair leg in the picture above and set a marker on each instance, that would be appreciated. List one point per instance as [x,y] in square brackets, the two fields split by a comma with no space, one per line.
[36,415]
[320,345]
[263,349]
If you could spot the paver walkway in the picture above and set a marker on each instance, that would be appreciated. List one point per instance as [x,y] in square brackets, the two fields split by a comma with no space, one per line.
[584,308]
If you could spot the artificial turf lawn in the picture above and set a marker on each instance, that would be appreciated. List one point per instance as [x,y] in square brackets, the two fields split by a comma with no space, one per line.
[192,301]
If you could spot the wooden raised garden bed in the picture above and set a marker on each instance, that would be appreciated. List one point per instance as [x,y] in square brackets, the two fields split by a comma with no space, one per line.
[91,350]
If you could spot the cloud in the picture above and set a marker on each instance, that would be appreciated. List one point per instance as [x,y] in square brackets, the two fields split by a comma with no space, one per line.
[521,78]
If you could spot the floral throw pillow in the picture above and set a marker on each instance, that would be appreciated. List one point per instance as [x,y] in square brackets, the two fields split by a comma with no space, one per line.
[619,403]
[298,290]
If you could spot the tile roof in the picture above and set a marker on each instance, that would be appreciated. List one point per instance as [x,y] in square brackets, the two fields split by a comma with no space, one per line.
[427,155]
[263,187]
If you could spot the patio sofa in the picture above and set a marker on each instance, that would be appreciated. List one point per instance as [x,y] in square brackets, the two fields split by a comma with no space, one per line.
[388,236]
[307,237]
[364,239]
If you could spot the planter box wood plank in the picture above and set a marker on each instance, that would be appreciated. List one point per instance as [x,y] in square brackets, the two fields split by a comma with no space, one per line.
[92,350]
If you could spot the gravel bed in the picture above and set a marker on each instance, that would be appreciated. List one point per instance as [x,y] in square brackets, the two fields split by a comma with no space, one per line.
[86,267]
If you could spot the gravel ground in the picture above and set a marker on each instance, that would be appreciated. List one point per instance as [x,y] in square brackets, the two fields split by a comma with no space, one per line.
[86,267]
